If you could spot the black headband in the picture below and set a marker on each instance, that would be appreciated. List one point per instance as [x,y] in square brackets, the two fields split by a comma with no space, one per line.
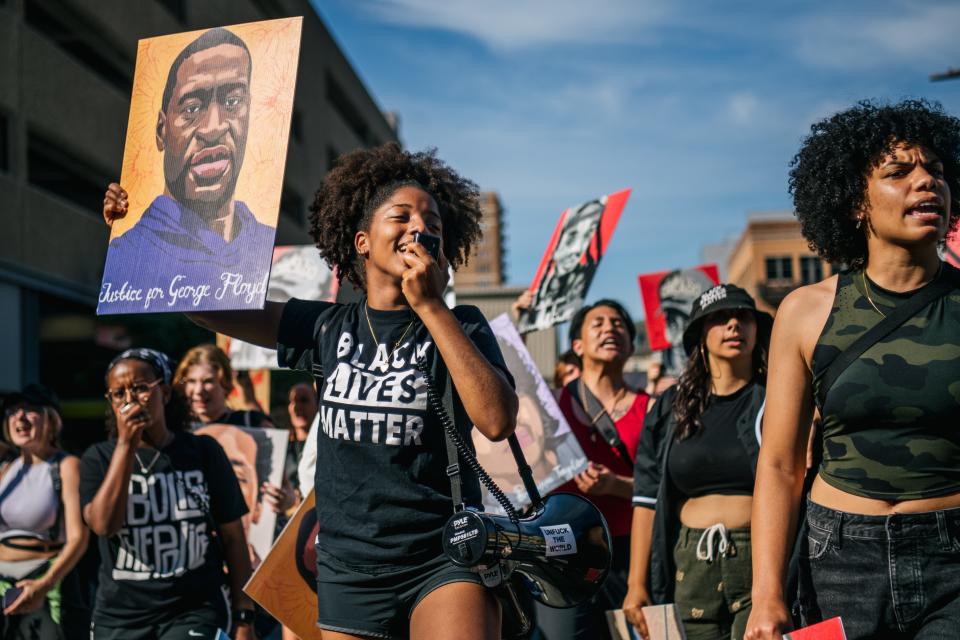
[159,361]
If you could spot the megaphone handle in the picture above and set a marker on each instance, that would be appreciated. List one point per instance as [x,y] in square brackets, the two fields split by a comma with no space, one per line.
[526,473]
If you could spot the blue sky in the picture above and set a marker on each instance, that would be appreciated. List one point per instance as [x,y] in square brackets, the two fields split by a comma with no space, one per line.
[696,106]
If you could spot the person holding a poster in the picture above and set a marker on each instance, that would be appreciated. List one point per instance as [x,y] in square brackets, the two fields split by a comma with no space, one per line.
[201,231]
[382,490]
[876,350]
[693,482]
[167,509]
[606,417]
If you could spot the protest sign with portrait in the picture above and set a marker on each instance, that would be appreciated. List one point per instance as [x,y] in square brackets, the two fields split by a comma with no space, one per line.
[548,444]
[257,455]
[285,583]
[298,272]
[667,302]
[567,268]
[203,166]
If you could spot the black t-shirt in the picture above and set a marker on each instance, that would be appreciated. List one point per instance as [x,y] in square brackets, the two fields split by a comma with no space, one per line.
[163,560]
[713,461]
[382,491]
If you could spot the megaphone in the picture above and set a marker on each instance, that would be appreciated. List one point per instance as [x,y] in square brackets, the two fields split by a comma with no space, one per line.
[562,549]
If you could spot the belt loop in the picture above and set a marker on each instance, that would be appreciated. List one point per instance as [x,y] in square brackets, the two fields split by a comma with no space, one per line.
[945,542]
[837,532]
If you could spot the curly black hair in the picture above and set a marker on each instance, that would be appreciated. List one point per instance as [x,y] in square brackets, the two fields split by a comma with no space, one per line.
[364,179]
[828,176]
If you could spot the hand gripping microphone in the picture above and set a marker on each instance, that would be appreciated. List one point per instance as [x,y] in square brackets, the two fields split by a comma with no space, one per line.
[561,549]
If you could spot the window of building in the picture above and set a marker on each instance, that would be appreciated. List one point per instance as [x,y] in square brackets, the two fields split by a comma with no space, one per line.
[52,168]
[779,268]
[347,111]
[811,269]
[86,44]
[4,142]
[292,205]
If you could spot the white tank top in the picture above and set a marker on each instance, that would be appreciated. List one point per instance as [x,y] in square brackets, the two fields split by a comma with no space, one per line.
[29,506]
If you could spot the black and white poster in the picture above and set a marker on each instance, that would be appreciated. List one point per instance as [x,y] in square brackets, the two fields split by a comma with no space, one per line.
[578,243]
[548,444]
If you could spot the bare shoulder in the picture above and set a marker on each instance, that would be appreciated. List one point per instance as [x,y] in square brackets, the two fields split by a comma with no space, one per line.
[803,313]
[70,466]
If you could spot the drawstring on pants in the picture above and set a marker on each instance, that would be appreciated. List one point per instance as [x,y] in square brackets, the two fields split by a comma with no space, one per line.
[724,546]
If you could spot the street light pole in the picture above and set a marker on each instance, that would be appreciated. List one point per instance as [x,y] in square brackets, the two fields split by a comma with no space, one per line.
[949,74]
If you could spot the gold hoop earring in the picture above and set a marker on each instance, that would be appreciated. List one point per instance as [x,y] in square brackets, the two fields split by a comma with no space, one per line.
[703,356]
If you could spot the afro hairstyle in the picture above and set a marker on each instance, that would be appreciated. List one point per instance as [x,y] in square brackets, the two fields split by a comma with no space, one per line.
[364,179]
[828,176]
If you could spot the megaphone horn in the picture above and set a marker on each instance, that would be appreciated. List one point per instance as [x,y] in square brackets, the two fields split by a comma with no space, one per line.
[562,548]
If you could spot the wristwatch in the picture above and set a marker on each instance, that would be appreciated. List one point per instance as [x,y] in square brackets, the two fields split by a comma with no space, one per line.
[244,616]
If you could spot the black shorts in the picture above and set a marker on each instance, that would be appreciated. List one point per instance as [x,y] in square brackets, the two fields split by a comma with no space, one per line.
[377,602]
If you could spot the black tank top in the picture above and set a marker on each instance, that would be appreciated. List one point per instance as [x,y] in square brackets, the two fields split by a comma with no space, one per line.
[713,461]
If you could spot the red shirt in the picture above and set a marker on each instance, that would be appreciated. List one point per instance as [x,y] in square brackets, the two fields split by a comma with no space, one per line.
[617,511]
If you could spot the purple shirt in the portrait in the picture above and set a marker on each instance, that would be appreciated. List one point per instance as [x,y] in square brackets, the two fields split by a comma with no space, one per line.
[171,261]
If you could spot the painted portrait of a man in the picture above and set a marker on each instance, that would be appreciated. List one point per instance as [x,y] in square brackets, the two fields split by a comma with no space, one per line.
[197,244]
[571,261]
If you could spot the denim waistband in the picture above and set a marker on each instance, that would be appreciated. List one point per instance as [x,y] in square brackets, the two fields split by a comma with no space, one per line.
[897,525]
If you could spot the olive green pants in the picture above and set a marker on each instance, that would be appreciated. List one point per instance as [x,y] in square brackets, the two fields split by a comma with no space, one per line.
[712,595]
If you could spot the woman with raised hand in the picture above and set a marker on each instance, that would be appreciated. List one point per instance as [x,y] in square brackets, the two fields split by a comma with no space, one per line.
[167,509]
[42,536]
[875,350]
[382,489]
[694,477]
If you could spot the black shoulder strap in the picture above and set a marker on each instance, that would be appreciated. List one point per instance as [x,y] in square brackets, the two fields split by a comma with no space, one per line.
[58,490]
[604,425]
[934,291]
[453,464]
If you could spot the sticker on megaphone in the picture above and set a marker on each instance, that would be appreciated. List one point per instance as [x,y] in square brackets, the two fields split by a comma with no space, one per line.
[560,540]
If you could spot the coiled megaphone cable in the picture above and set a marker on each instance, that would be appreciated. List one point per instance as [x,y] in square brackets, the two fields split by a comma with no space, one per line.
[465,454]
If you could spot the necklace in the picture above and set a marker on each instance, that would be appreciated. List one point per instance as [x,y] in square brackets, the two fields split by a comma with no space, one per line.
[396,345]
[866,288]
[616,401]
[145,469]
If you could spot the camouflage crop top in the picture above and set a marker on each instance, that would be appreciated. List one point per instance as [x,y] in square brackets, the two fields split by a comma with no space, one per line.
[891,422]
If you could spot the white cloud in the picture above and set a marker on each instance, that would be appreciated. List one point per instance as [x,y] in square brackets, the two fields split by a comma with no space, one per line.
[508,25]
[907,34]
[742,108]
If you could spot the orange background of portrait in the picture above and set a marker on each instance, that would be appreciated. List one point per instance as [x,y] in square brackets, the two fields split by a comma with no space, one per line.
[277,586]
[274,51]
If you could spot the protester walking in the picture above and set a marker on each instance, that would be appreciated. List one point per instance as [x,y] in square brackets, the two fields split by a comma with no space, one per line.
[382,486]
[42,535]
[167,508]
[606,417]
[695,473]
[875,350]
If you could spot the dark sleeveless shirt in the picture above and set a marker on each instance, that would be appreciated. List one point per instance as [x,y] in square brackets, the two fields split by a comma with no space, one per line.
[891,422]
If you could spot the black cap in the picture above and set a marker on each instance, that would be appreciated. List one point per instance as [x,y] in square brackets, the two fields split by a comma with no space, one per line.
[720,298]
[35,394]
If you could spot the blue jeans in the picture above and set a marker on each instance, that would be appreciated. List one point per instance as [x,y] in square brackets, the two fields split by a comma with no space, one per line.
[887,577]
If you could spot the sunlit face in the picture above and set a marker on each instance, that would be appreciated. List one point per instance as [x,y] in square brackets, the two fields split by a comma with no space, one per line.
[131,374]
[730,334]
[241,450]
[203,130]
[604,337]
[908,198]
[302,406]
[409,210]
[27,426]
[204,392]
